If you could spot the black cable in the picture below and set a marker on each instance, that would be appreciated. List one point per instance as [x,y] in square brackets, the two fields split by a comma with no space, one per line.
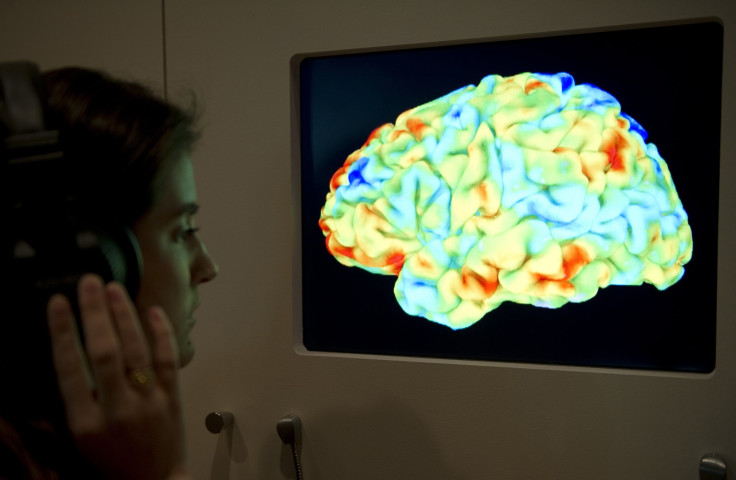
[297,463]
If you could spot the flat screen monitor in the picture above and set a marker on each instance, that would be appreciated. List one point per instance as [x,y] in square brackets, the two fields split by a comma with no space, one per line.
[550,199]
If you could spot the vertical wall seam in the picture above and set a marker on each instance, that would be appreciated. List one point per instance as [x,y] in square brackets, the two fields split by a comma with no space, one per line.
[163,49]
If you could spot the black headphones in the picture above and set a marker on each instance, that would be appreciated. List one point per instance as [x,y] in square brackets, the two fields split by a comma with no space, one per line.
[51,237]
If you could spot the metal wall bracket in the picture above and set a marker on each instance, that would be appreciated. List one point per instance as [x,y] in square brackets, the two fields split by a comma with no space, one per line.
[712,467]
[217,422]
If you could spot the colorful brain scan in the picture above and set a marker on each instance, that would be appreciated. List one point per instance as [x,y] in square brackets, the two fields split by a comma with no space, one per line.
[529,189]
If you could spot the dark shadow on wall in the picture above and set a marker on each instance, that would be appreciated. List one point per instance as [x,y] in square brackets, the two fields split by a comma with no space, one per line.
[230,448]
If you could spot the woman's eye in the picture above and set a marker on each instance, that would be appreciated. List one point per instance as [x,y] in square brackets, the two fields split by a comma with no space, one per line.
[188,233]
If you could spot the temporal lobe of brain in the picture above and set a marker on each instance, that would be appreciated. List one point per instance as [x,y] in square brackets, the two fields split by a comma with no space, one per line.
[529,189]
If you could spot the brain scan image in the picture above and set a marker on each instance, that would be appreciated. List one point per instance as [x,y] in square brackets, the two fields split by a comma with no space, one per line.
[528,188]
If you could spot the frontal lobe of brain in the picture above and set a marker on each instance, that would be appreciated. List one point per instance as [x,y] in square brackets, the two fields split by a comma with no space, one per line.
[529,189]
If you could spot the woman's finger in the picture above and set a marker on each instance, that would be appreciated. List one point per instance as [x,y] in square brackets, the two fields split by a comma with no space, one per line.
[71,371]
[135,350]
[101,342]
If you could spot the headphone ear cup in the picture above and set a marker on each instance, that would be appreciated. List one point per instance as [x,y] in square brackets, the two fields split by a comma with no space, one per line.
[112,251]
[49,256]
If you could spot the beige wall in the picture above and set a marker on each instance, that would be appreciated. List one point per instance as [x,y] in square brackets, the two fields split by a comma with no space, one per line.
[124,38]
[368,418]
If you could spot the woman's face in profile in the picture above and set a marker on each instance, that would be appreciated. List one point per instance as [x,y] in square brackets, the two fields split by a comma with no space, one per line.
[175,261]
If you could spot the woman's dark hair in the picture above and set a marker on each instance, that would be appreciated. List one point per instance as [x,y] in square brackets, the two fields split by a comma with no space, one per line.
[117,134]
[118,137]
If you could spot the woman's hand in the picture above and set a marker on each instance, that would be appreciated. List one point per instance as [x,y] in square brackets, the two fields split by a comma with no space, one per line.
[121,397]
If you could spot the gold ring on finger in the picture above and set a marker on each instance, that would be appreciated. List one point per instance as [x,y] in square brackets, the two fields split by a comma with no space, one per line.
[141,378]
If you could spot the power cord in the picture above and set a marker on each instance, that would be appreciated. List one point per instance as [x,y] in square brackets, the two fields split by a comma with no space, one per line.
[289,428]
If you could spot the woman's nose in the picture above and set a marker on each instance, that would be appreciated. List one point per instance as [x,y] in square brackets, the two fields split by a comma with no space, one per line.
[205,267]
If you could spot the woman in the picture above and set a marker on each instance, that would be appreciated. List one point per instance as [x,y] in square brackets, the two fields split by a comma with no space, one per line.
[114,411]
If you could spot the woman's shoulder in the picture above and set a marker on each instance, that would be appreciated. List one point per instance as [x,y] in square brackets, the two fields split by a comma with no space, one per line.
[35,451]
[16,461]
